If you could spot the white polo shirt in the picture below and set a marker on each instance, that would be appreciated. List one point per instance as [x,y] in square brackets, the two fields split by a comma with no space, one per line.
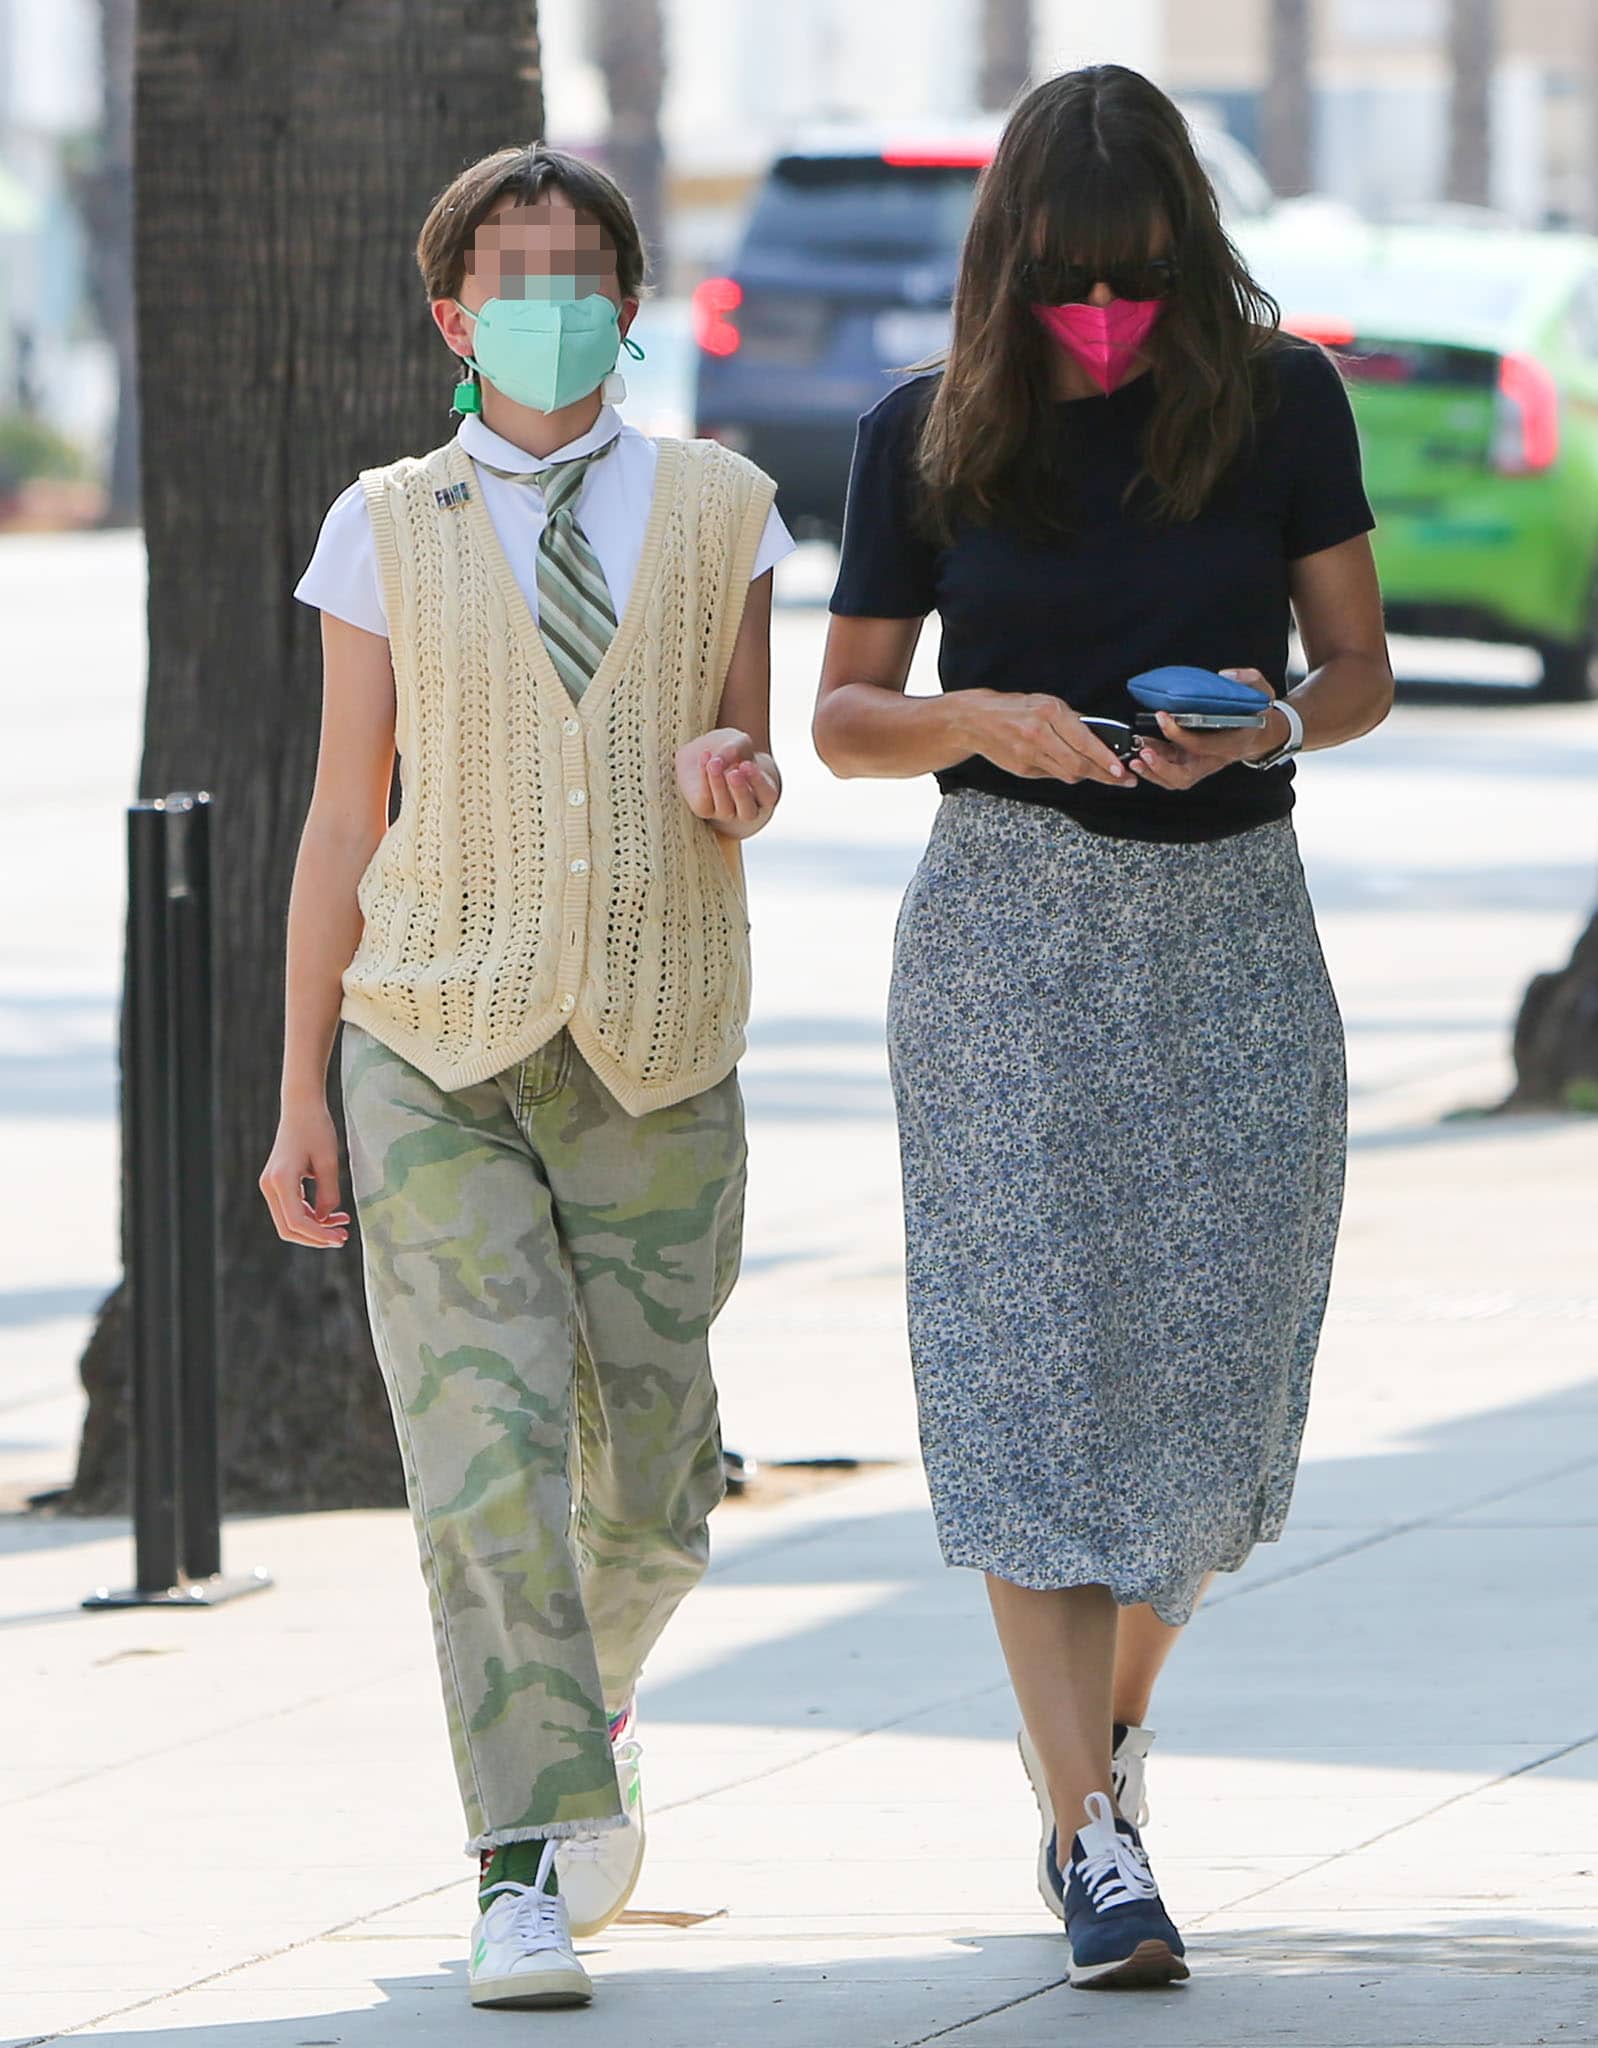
[612,509]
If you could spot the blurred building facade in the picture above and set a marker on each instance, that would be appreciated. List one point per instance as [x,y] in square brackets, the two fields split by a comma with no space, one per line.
[1380,88]
[742,78]
[53,363]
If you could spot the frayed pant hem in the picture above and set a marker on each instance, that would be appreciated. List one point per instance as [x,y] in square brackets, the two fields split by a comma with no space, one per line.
[554,1830]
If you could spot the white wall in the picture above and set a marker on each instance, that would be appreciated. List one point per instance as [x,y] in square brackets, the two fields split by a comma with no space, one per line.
[741,74]
[1069,33]
[49,90]
[574,92]
[50,74]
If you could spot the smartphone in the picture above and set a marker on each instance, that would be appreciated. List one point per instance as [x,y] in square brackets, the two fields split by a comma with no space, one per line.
[1202,721]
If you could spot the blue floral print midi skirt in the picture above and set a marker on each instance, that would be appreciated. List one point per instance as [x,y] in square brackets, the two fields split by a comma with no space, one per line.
[1122,1104]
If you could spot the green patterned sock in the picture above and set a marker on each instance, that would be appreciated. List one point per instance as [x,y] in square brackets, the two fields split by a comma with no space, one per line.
[515,1863]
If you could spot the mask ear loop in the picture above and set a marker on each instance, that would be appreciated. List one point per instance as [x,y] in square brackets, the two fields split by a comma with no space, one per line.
[614,388]
[468,399]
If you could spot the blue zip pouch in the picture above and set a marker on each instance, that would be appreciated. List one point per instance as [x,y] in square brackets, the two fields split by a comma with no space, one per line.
[1198,693]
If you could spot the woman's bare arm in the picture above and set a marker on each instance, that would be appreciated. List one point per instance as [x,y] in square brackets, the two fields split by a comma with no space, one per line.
[348,816]
[1349,688]
[866,724]
[1338,604]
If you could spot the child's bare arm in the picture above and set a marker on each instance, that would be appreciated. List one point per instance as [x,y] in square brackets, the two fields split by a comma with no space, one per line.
[348,815]
[728,776]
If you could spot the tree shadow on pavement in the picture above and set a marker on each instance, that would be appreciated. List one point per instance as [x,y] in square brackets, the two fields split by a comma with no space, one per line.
[1395,1568]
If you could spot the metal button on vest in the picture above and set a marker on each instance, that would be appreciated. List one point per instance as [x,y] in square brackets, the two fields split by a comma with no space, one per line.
[576,796]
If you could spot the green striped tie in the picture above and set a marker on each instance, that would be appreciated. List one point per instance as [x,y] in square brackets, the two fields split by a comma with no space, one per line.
[575,615]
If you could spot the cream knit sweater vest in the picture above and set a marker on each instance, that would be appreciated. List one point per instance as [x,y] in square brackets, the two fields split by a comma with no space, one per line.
[543,870]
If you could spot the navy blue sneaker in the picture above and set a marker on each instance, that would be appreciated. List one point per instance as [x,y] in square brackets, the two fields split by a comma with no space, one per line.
[1128,1763]
[1120,1933]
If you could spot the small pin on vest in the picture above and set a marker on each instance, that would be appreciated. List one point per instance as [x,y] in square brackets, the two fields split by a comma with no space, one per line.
[452,497]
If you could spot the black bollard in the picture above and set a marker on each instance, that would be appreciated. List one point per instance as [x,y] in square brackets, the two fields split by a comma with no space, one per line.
[170,1191]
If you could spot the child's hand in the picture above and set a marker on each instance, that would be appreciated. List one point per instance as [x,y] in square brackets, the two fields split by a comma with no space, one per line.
[306,1151]
[725,782]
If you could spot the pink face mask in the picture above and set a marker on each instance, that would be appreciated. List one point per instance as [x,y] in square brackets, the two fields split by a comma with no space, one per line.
[1103,339]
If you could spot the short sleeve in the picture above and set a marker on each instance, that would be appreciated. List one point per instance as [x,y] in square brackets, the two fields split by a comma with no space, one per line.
[1326,501]
[887,566]
[342,575]
[775,543]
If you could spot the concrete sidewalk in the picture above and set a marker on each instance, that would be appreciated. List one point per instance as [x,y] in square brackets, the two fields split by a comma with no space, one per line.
[1375,1791]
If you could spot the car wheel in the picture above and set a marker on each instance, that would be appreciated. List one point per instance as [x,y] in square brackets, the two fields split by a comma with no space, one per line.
[1568,665]
[1567,672]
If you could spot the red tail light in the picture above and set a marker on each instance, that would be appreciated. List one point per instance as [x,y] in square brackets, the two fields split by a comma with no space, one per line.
[714,303]
[959,157]
[1526,437]
[1329,333]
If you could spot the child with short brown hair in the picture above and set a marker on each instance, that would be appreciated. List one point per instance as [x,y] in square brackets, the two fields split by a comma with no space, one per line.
[542,967]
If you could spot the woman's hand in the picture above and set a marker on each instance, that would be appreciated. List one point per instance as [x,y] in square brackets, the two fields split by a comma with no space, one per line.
[306,1148]
[1037,737]
[725,781]
[1184,757]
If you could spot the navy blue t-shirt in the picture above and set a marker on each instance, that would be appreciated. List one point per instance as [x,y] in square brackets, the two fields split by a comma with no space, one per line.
[1077,617]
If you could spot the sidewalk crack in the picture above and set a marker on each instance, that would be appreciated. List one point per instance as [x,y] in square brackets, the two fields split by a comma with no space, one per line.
[1386,1834]
[988,2013]
[1392,1530]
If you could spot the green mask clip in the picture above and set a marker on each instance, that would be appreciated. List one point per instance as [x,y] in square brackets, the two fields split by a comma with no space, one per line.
[468,394]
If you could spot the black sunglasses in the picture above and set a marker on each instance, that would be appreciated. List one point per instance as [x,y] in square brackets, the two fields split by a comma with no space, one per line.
[1065,284]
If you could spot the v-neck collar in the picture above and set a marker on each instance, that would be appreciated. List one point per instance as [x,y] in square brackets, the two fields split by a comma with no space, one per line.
[630,624]
[484,445]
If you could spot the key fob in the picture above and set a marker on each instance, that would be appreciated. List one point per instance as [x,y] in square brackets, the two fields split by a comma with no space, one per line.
[1118,737]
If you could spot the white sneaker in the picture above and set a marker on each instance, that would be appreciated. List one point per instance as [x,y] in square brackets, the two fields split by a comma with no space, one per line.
[1129,1771]
[598,1872]
[522,1946]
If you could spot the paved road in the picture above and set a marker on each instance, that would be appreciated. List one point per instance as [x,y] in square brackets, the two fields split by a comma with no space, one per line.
[1376,1788]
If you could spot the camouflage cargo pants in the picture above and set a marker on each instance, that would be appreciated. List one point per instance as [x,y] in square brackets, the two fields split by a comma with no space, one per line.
[542,1271]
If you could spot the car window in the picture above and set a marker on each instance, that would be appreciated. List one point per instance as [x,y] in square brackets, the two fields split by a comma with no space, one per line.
[1399,297]
[1240,185]
[864,209]
[1583,317]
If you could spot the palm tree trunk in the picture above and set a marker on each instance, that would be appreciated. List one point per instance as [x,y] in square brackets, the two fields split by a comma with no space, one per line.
[1472,49]
[629,44]
[286,155]
[1288,123]
[1005,55]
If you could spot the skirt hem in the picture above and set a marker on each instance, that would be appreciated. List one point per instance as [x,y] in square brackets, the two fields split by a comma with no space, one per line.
[1173,1611]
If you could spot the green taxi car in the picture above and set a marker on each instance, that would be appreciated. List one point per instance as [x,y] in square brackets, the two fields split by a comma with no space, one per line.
[1471,355]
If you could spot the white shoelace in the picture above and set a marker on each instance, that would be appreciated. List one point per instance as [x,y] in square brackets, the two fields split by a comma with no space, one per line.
[538,1922]
[1114,1870]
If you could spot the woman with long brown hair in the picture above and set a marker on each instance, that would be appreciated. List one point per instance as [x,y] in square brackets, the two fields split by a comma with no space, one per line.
[1117,1058]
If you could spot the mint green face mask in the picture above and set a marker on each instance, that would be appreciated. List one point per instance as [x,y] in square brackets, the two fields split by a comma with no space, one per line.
[546,352]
